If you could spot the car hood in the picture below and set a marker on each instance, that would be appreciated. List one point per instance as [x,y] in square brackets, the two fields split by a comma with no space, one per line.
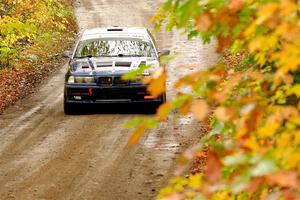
[109,66]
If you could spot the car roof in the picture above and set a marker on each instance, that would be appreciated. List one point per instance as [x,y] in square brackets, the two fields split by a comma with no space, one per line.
[116,32]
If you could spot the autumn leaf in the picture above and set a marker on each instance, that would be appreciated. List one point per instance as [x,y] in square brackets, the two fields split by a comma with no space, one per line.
[284,179]
[200,109]
[255,184]
[255,96]
[173,196]
[252,144]
[225,113]
[157,83]
[266,12]
[195,181]
[223,42]
[268,130]
[185,108]
[164,110]
[204,22]
[236,5]
[137,134]
[213,168]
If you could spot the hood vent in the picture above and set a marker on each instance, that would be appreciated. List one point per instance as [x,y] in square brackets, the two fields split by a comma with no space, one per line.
[84,65]
[104,64]
[123,64]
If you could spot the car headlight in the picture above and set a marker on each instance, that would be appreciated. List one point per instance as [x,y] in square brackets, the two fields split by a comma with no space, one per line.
[81,79]
[71,79]
[89,79]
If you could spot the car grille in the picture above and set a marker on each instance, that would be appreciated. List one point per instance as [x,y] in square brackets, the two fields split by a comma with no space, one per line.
[123,64]
[112,81]
[120,81]
[105,80]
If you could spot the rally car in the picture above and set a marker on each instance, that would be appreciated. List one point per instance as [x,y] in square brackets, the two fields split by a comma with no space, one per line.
[100,59]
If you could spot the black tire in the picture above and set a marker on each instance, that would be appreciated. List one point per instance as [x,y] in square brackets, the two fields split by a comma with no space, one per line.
[68,108]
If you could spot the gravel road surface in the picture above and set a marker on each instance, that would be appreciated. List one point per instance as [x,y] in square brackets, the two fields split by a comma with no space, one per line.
[47,155]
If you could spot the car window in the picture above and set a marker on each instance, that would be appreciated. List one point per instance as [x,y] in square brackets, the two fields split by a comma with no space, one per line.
[115,47]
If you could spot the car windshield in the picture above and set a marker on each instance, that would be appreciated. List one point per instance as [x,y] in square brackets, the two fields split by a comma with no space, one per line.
[115,48]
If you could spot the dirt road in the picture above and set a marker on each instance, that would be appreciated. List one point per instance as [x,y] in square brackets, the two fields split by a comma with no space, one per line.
[47,155]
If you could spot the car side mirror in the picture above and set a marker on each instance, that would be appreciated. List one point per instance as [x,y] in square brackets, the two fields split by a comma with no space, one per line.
[67,54]
[164,52]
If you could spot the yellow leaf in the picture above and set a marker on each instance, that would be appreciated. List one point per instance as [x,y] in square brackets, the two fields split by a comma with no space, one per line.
[252,144]
[269,130]
[255,44]
[293,159]
[284,140]
[222,195]
[263,43]
[195,181]
[261,58]
[250,30]
[266,12]
[297,137]
[295,89]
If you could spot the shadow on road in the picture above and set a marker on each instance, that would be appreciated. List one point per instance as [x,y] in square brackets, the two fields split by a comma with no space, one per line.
[114,109]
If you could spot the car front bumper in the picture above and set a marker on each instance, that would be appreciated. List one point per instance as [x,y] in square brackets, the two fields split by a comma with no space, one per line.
[95,94]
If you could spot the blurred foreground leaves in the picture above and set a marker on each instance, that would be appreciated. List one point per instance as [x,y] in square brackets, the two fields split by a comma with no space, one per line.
[253,146]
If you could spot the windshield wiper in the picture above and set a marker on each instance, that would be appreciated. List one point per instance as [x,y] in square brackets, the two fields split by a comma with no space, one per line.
[118,55]
[86,56]
[137,56]
[124,55]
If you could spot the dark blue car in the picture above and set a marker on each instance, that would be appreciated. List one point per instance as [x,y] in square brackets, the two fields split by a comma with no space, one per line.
[100,59]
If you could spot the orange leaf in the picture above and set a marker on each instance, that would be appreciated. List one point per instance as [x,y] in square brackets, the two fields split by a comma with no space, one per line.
[284,179]
[219,96]
[289,195]
[223,42]
[236,5]
[252,187]
[204,22]
[225,114]
[185,107]
[157,84]
[200,109]
[213,168]
[164,110]
[137,135]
